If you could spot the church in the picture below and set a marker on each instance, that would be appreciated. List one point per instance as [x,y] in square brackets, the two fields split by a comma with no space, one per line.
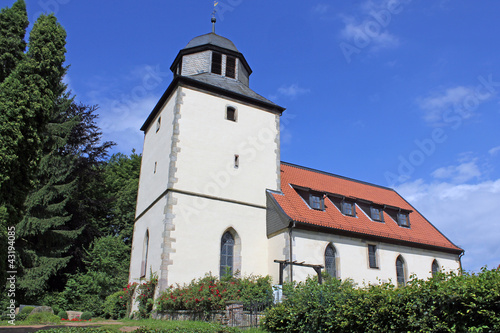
[214,195]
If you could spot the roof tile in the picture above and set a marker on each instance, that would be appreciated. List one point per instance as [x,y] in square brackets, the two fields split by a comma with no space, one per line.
[421,231]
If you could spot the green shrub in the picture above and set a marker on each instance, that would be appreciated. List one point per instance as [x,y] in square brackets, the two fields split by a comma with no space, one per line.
[23,314]
[444,303]
[62,314]
[55,300]
[116,305]
[146,292]
[86,315]
[42,318]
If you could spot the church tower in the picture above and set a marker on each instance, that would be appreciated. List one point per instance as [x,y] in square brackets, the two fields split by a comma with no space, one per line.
[211,150]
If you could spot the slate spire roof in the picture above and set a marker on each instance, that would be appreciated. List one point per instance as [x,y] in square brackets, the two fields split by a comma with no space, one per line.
[212,39]
[421,232]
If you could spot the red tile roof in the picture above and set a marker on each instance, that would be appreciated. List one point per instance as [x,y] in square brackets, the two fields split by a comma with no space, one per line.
[420,233]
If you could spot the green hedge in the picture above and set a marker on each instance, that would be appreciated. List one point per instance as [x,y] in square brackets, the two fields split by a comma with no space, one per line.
[77,330]
[445,303]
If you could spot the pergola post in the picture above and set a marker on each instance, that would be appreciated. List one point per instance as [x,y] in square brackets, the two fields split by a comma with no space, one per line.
[285,263]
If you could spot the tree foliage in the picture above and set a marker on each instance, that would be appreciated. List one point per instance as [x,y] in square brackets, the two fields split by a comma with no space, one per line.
[61,208]
[107,263]
[121,176]
[13,24]
[56,186]
[27,101]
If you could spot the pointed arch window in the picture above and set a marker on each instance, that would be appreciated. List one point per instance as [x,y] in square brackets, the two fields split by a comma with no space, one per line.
[330,258]
[400,271]
[435,267]
[145,248]
[226,254]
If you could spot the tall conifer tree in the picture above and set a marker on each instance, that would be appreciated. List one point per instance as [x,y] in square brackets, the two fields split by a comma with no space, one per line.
[13,24]
[27,100]
[61,209]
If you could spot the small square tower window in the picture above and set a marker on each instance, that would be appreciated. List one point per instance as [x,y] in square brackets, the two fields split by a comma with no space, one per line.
[158,124]
[231,113]
[216,63]
[230,67]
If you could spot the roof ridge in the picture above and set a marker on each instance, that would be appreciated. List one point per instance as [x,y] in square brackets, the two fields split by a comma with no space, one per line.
[338,176]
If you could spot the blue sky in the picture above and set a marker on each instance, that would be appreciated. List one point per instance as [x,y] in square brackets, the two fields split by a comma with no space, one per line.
[397,93]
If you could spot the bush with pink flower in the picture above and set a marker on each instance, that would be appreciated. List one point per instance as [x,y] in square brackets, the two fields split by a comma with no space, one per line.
[211,293]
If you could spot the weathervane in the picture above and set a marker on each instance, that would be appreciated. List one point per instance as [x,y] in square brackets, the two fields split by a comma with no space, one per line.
[213,16]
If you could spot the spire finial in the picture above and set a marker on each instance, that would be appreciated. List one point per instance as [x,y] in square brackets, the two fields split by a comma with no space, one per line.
[213,16]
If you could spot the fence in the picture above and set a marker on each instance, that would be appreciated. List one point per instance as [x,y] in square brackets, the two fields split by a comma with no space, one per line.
[236,315]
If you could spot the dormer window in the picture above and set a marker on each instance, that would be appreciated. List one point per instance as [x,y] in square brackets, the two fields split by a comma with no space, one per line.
[313,199]
[216,63]
[403,220]
[230,67]
[348,208]
[316,201]
[376,214]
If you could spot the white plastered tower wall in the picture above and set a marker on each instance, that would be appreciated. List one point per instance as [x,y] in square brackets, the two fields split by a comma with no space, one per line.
[204,194]
[153,182]
[211,194]
[203,174]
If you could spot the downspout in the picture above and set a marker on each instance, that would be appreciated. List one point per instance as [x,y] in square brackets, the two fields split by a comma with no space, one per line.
[460,261]
[290,228]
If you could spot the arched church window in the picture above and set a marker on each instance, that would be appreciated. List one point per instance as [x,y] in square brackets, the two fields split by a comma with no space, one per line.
[226,254]
[435,267]
[145,247]
[330,266]
[400,271]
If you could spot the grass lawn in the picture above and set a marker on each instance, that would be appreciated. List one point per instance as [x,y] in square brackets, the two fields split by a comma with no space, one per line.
[151,324]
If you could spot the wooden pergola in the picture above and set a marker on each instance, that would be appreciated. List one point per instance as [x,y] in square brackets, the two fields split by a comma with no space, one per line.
[284,264]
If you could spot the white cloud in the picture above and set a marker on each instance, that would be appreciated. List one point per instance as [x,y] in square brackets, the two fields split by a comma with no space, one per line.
[365,34]
[368,28]
[438,103]
[445,105]
[494,151]
[458,173]
[321,8]
[292,90]
[466,214]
